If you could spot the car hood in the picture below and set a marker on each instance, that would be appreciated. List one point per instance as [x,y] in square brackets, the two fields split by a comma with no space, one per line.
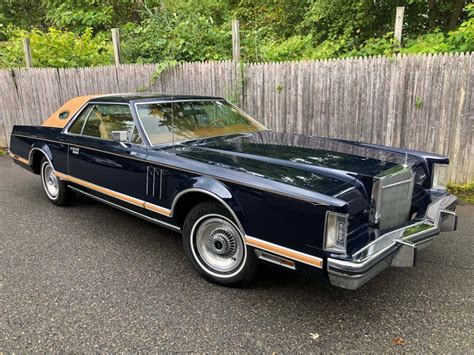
[319,164]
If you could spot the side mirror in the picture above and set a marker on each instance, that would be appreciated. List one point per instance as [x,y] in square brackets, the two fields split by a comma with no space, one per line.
[120,136]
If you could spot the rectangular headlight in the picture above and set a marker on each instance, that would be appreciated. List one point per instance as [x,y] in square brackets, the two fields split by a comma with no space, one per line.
[336,232]
[440,176]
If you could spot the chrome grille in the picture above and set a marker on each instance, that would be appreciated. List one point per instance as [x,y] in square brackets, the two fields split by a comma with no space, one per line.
[391,197]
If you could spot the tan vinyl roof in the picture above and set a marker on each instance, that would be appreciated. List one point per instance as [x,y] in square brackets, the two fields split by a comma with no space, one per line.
[71,106]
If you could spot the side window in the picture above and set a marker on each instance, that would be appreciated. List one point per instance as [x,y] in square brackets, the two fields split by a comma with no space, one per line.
[103,119]
[76,127]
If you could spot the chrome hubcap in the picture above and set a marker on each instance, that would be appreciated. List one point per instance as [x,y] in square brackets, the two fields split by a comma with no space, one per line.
[219,244]
[50,181]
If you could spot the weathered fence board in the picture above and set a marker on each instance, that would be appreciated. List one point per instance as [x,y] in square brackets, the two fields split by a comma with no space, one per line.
[419,102]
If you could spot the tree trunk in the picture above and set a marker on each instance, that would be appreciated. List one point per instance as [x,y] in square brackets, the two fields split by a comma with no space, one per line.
[431,4]
[457,9]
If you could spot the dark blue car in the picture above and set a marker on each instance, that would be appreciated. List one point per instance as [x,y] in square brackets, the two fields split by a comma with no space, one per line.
[239,193]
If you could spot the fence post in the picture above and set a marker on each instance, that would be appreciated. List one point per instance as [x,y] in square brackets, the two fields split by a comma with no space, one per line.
[399,24]
[27,49]
[116,43]
[235,40]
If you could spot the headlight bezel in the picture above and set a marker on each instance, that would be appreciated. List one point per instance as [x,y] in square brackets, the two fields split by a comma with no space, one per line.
[439,176]
[335,232]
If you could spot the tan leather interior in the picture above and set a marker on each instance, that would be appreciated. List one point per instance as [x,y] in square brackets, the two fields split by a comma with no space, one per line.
[104,133]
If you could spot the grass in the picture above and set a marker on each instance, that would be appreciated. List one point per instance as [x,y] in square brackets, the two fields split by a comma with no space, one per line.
[2,152]
[465,192]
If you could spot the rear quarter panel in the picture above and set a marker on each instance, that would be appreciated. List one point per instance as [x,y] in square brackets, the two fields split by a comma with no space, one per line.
[25,140]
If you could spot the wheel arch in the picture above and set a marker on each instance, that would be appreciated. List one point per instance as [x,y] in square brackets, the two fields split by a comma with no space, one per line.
[204,189]
[36,155]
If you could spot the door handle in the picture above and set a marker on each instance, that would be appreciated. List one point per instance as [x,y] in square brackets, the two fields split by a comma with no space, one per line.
[74,150]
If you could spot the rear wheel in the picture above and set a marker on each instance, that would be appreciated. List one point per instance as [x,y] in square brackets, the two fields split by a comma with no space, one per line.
[55,189]
[216,246]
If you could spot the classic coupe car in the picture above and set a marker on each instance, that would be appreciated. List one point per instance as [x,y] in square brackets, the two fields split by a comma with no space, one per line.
[239,193]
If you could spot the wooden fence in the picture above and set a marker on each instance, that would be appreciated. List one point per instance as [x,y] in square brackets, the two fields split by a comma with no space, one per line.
[419,102]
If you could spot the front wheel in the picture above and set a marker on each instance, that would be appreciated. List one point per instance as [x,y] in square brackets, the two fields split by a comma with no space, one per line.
[55,189]
[216,246]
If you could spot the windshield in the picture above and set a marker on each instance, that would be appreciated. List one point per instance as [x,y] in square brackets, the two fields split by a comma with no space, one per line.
[193,120]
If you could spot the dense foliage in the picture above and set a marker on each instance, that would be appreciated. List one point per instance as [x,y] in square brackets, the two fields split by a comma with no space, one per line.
[56,48]
[67,33]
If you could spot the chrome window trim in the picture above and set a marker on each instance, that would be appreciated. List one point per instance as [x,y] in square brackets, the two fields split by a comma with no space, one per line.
[86,120]
[242,112]
[93,103]
[73,118]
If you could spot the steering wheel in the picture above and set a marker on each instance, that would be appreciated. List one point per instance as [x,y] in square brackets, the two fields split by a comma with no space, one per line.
[218,120]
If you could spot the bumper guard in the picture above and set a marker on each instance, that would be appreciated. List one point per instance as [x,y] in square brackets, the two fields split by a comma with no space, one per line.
[396,248]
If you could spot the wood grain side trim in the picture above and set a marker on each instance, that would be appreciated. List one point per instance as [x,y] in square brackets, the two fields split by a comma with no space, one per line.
[20,159]
[158,209]
[282,251]
[115,194]
[254,242]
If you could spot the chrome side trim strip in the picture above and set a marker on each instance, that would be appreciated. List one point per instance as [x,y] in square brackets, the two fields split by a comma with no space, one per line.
[344,191]
[309,200]
[147,218]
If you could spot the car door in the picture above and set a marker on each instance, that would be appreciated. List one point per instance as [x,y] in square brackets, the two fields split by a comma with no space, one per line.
[103,167]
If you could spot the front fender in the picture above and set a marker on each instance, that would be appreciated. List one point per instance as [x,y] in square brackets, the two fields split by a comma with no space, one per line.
[214,188]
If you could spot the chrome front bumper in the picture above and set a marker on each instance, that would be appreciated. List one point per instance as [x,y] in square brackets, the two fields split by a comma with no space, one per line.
[395,248]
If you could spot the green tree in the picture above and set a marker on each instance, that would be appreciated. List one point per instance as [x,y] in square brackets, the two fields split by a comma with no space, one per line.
[178,31]
[76,15]
[25,14]
[56,48]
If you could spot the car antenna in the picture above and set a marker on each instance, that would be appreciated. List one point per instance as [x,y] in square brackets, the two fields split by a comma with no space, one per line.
[172,123]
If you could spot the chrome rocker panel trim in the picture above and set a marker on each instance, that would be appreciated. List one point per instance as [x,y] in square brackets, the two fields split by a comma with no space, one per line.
[396,248]
[125,209]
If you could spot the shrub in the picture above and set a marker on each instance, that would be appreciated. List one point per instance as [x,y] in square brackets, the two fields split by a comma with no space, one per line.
[56,48]
[177,37]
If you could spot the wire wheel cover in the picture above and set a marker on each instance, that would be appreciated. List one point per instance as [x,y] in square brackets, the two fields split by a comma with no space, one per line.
[219,244]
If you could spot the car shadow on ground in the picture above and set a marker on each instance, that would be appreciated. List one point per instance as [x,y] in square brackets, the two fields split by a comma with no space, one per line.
[161,240]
